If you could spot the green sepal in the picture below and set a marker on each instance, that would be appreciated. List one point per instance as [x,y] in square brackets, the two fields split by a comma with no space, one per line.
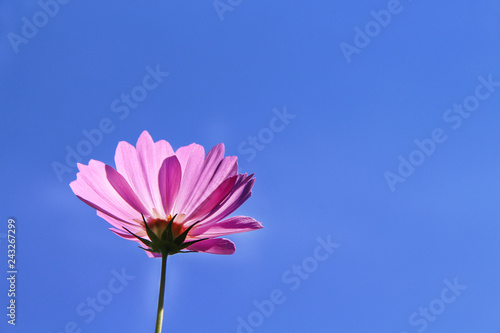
[149,250]
[182,237]
[143,241]
[165,244]
[184,245]
[167,233]
[154,238]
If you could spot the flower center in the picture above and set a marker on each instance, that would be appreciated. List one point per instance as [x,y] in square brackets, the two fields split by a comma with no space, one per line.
[159,225]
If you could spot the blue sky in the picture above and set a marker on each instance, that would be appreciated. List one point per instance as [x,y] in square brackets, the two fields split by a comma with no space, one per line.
[372,128]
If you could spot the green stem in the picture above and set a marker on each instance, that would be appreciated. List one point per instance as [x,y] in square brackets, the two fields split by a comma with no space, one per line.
[159,315]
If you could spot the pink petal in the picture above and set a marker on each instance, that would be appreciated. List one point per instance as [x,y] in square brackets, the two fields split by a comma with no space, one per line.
[214,245]
[191,159]
[210,164]
[227,168]
[229,226]
[214,200]
[140,168]
[163,149]
[124,190]
[169,179]
[93,188]
[151,162]
[129,165]
[241,192]
[135,227]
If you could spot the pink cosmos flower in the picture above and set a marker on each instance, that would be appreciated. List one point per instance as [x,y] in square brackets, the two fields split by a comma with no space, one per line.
[168,201]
